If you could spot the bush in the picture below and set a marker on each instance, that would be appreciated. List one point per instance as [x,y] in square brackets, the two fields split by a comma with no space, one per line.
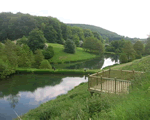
[48,53]
[45,65]
[69,47]
[123,58]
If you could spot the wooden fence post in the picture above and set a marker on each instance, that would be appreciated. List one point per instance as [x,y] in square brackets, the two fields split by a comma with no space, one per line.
[88,81]
[101,83]
[109,72]
[115,85]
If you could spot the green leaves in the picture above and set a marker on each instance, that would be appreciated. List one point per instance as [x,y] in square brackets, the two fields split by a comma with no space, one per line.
[69,47]
[36,40]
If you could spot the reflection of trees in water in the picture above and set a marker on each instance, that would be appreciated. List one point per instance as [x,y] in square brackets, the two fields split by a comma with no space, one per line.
[112,57]
[27,82]
[13,100]
[95,63]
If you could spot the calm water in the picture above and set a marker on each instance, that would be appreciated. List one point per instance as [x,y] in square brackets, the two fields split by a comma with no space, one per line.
[24,92]
[27,91]
[96,63]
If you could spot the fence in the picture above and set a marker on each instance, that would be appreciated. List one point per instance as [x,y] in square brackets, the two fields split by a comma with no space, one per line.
[112,81]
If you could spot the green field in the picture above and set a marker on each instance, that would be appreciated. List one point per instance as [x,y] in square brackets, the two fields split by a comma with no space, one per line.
[60,56]
[77,104]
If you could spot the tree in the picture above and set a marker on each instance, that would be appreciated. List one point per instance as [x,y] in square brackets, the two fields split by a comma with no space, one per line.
[93,44]
[45,65]
[147,47]
[129,50]
[88,33]
[50,34]
[36,40]
[123,58]
[48,52]
[139,48]
[23,40]
[76,40]
[69,46]
[38,58]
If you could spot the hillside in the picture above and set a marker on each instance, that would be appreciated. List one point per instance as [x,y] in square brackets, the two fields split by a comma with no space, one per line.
[60,56]
[103,32]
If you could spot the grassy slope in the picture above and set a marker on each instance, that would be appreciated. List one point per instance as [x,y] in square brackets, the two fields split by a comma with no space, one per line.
[79,105]
[61,56]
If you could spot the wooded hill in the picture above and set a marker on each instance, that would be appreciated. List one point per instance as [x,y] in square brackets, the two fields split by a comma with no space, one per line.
[106,34]
[14,26]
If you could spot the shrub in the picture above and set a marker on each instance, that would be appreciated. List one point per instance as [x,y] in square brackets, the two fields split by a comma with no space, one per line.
[123,58]
[45,65]
[69,47]
[48,53]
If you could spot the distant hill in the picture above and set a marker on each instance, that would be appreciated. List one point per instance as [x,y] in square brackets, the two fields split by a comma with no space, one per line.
[104,33]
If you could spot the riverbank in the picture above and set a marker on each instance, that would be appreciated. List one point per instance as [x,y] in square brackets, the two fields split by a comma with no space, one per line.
[58,71]
[82,106]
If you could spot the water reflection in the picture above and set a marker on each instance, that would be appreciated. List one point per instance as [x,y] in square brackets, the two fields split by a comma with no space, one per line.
[96,63]
[23,95]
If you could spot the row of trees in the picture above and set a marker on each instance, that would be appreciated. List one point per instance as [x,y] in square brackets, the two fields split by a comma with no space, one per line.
[15,55]
[14,26]
[129,51]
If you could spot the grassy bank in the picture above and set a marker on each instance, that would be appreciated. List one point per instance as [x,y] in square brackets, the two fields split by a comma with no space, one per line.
[57,71]
[61,57]
[79,105]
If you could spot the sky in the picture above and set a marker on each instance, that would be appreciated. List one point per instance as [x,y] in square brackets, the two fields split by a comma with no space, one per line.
[125,17]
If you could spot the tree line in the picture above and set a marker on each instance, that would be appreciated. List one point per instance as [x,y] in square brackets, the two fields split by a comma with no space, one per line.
[129,51]
[14,26]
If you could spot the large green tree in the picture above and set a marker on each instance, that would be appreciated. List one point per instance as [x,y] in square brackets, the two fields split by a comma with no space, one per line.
[147,47]
[69,46]
[36,40]
[129,50]
[139,48]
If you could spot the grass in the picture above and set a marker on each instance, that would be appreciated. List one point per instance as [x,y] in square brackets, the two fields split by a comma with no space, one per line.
[61,57]
[77,104]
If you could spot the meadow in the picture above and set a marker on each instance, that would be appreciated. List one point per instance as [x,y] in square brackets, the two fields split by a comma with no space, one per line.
[62,57]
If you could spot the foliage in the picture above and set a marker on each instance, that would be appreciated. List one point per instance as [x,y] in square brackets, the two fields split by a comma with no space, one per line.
[36,40]
[147,47]
[123,58]
[50,34]
[48,52]
[23,40]
[106,34]
[69,47]
[38,58]
[92,44]
[139,48]
[116,46]
[45,65]
[129,50]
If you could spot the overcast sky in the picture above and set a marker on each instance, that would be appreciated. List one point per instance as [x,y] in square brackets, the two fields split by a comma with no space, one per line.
[126,17]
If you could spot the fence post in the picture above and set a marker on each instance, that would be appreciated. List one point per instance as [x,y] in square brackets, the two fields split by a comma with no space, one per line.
[115,85]
[133,73]
[121,73]
[109,72]
[88,81]
[101,83]
[103,72]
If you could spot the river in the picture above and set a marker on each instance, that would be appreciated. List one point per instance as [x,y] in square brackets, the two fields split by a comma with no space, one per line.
[23,92]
